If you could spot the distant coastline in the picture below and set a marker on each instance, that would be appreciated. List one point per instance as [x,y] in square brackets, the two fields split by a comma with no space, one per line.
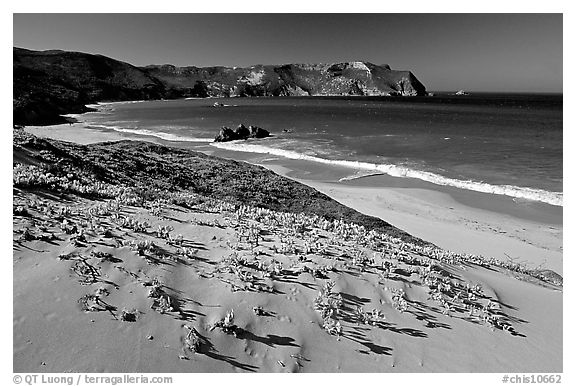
[50,83]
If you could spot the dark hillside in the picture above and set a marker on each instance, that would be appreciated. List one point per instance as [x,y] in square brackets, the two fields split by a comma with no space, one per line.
[50,83]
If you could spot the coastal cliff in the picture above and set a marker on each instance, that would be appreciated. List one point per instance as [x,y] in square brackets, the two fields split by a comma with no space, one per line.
[48,84]
[350,78]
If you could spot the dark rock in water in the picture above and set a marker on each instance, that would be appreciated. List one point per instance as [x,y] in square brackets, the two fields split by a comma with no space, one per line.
[226,134]
[258,132]
[242,132]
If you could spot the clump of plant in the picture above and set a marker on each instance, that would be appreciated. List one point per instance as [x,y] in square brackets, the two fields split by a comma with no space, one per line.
[163,231]
[132,223]
[387,268]
[90,303]
[232,262]
[178,240]
[156,209]
[101,292]
[88,274]
[361,261]
[142,247]
[20,210]
[104,256]
[161,300]
[47,236]
[163,304]
[494,318]
[104,209]
[328,304]
[193,340]
[129,315]
[333,327]
[399,299]
[155,288]
[227,325]
[68,256]
[187,252]
[274,269]
[27,235]
[68,228]
[64,211]
[258,311]
[371,318]
[319,272]
[78,238]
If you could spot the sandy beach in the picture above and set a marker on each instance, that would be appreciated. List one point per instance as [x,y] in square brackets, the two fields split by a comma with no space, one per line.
[182,283]
[438,217]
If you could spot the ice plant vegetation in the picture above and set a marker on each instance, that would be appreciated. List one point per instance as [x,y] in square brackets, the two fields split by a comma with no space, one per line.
[328,304]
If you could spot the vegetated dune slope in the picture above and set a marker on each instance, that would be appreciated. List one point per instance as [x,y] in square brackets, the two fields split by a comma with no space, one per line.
[110,279]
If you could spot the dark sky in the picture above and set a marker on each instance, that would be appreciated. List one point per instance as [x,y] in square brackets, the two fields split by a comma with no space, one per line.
[475,52]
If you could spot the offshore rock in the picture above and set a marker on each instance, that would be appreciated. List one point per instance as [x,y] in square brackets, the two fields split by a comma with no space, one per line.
[242,132]
[258,132]
[226,134]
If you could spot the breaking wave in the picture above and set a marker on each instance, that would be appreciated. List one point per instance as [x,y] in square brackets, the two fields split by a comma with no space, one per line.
[158,134]
[552,198]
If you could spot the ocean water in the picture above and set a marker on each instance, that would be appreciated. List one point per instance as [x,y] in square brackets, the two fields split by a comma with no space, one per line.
[509,144]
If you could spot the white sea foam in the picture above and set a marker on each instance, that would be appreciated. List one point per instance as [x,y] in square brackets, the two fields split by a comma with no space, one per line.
[158,134]
[360,174]
[552,198]
[117,103]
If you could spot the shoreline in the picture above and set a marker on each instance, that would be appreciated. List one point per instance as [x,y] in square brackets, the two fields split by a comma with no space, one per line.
[436,217]
[518,206]
[484,224]
[529,191]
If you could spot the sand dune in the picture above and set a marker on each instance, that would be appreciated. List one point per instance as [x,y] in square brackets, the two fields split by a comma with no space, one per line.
[329,296]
